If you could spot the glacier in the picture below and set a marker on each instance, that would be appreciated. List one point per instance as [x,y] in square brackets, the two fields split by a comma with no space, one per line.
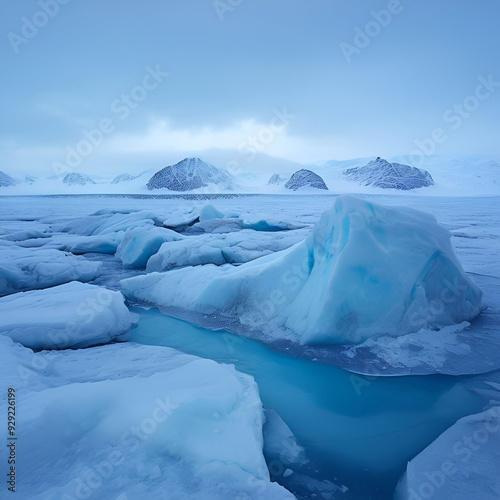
[365,269]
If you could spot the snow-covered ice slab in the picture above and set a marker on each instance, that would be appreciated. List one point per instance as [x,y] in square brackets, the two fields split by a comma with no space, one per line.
[461,464]
[78,244]
[138,421]
[28,269]
[364,270]
[109,221]
[71,315]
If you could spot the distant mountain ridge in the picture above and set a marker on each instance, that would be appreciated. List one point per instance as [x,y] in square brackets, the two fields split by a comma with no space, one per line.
[474,175]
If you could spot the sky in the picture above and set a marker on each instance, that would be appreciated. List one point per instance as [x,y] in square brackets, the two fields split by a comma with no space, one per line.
[105,87]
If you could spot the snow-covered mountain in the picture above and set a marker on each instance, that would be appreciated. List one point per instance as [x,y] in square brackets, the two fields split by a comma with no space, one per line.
[6,180]
[75,178]
[123,178]
[465,176]
[276,179]
[189,174]
[305,178]
[380,173]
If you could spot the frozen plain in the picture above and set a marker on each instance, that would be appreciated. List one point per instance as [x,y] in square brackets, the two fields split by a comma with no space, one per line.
[464,349]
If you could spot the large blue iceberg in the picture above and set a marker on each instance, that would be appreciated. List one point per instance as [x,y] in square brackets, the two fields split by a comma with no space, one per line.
[364,270]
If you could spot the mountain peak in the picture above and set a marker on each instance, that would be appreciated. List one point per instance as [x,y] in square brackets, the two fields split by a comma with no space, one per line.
[305,178]
[380,173]
[75,178]
[6,180]
[188,174]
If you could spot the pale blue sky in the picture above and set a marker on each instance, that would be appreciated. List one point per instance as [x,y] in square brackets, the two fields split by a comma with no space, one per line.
[228,77]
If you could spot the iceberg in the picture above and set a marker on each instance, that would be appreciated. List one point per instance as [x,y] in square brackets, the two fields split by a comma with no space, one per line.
[363,271]
[66,316]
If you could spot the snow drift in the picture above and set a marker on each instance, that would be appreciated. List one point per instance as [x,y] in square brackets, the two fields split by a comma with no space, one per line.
[363,271]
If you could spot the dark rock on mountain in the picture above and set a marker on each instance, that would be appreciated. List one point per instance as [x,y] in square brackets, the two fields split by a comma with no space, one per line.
[189,174]
[276,179]
[380,173]
[6,180]
[305,178]
[123,178]
[76,179]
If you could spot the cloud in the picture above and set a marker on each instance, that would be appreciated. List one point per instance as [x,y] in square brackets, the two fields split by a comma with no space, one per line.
[161,136]
[247,136]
